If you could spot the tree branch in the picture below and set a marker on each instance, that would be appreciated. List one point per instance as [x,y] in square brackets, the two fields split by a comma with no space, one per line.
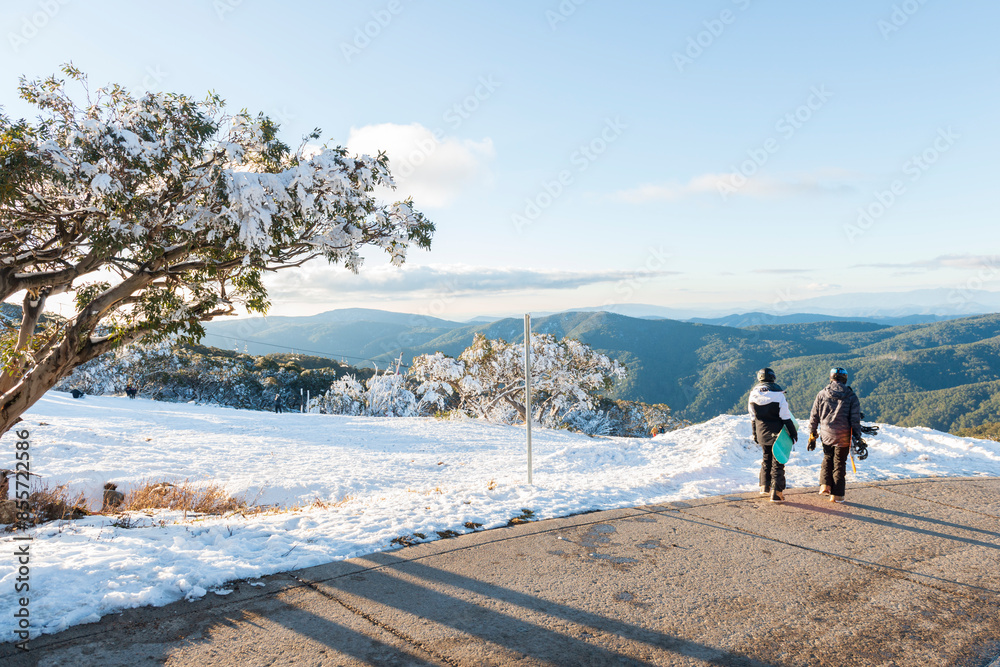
[11,283]
[31,312]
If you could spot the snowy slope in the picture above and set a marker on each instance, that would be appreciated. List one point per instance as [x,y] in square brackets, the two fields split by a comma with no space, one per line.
[390,477]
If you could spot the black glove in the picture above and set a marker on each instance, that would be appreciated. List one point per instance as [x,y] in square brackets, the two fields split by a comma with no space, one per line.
[791,430]
[812,442]
[860,448]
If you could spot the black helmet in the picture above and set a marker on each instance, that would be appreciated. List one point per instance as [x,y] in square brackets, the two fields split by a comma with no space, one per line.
[766,375]
[839,374]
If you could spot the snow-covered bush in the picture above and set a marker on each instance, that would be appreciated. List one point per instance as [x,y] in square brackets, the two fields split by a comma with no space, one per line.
[632,419]
[487,379]
[384,395]
[438,375]
[387,396]
[344,397]
[591,422]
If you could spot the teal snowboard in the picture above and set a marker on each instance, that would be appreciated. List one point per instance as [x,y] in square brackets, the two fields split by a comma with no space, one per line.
[782,449]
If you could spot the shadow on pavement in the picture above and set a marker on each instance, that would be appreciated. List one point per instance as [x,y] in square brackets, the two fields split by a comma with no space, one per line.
[343,640]
[936,522]
[392,586]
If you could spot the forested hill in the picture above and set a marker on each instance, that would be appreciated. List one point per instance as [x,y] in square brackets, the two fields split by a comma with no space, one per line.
[944,375]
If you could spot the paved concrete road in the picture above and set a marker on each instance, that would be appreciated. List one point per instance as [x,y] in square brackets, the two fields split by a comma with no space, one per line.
[905,573]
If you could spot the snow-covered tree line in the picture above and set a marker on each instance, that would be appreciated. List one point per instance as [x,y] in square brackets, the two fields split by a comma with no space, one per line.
[185,373]
[486,381]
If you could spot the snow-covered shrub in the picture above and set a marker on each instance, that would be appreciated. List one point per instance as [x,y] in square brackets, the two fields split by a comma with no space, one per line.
[344,397]
[438,375]
[487,379]
[591,422]
[384,395]
[387,396]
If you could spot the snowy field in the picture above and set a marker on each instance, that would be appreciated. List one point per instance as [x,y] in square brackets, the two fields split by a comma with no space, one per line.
[389,477]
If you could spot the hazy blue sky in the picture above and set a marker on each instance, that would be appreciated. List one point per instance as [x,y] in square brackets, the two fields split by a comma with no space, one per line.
[581,153]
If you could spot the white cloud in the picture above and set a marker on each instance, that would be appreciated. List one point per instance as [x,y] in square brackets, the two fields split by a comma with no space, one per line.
[965,262]
[987,262]
[782,271]
[325,283]
[820,182]
[428,165]
[822,287]
[671,191]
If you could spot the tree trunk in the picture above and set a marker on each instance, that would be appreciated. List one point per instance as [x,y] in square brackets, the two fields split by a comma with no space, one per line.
[59,362]
[517,406]
[35,383]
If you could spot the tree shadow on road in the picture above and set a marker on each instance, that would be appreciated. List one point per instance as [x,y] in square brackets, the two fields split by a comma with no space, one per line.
[508,624]
[929,520]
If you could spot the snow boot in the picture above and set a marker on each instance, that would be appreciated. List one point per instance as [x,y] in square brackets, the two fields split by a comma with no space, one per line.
[836,499]
[777,496]
[764,491]
[825,490]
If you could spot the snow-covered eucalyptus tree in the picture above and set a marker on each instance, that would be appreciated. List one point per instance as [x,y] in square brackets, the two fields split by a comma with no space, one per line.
[159,212]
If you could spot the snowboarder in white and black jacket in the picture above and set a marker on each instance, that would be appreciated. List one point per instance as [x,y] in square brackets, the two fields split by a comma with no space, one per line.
[769,413]
[836,415]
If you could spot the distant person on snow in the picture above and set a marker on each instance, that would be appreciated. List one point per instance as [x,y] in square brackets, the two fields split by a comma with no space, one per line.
[277,404]
[836,414]
[769,412]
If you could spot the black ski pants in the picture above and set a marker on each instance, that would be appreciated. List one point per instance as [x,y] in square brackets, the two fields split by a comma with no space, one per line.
[772,473]
[833,471]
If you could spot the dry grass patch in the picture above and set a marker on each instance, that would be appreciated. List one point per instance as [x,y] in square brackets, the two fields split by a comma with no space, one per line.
[45,504]
[57,503]
[197,498]
[526,516]
[407,540]
[319,503]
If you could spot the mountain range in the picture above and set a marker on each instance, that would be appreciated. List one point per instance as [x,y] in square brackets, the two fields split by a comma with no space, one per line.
[941,374]
[947,302]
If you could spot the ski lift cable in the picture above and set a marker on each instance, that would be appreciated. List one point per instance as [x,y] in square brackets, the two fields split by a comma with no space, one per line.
[329,355]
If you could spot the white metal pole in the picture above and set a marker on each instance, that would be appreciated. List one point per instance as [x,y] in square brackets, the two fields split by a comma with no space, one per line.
[527,386]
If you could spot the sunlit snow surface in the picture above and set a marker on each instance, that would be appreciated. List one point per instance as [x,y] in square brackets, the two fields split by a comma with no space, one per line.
[391,477]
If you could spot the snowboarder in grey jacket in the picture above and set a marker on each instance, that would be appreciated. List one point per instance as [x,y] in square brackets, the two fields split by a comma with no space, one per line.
[769,413]
[835,416]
